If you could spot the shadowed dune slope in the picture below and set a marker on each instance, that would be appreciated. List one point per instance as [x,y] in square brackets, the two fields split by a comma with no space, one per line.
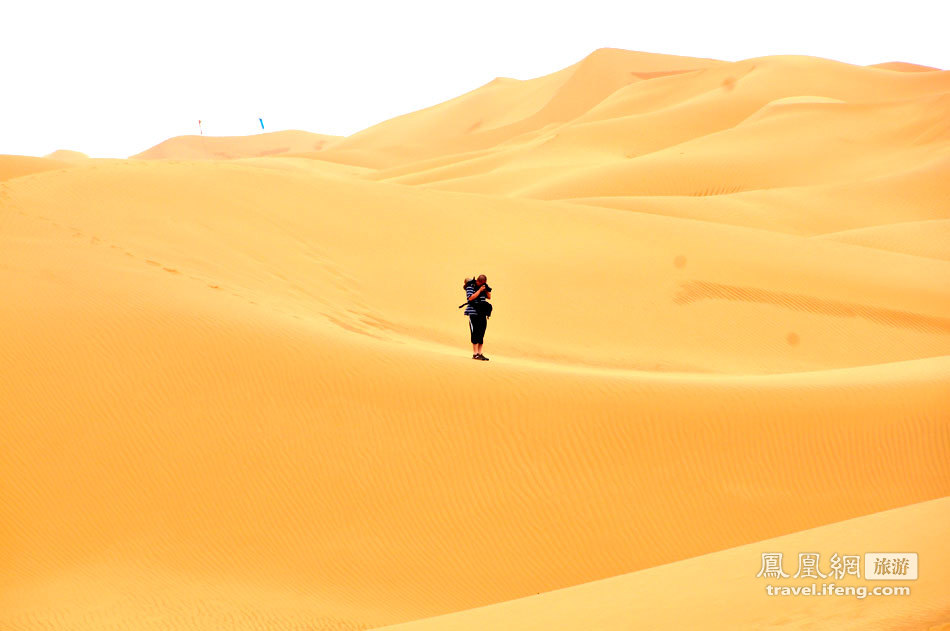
[720,591]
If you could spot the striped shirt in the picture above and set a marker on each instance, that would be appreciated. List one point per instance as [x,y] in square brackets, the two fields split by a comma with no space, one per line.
[470,289]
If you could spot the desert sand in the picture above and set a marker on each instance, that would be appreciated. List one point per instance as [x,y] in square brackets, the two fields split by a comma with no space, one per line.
[239,394]
[705,592]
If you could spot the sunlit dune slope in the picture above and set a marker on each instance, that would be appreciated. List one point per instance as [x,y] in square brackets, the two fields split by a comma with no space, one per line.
[650,114]
[720,130]
[653,293]
[67,155]
[505,108]
[920,238]
[17,166]
[228,147]
[720,591]
[786,143]
[914,192]
[821,143]
[245,381]
[902,66]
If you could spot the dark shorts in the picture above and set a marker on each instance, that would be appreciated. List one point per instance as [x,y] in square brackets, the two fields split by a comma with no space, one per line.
[477,324]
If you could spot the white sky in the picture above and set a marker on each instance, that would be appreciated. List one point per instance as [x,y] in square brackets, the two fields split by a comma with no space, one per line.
[112,78]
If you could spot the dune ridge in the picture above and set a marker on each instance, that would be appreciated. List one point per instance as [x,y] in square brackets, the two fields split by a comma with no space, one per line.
[18,166]
[67,155]
[243,396]
[230,147]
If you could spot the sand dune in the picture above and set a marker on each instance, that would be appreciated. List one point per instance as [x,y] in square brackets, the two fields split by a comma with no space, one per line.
[17,166]
[506,108]
[714,160]
[722,592]
[67,155]
[920,238]
[902,66]
[228,147]
[242,394]
[770,284]
[915,194]
[703,167]
[646,116]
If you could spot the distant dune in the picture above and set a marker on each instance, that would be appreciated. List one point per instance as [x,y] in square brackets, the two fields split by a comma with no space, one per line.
[240,394]
[18,166]
[228,147]
[902,66]
[65,154]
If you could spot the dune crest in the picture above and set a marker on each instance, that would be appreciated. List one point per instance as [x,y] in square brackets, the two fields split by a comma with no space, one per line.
[67,155]
[18,166]
[230,147]
[903,66]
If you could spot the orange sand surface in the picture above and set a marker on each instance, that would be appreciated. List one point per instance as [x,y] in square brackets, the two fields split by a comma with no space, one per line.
[238,392]
[17,166]
[705,592]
